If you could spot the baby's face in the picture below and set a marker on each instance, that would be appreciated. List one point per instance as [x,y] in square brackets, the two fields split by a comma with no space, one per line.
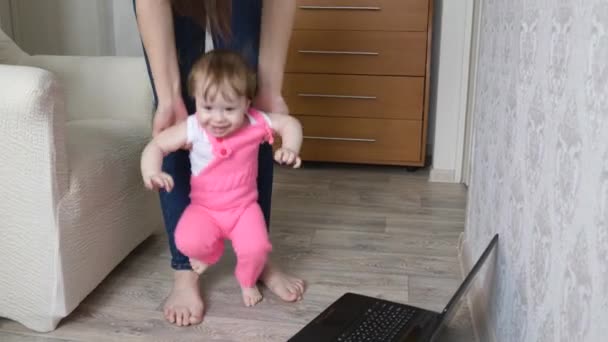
[222,116]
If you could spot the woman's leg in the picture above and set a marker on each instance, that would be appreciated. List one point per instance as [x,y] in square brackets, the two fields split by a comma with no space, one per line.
[265,177]
[184,305]
[245,39]
[177,164]
[246,25]
[174,203]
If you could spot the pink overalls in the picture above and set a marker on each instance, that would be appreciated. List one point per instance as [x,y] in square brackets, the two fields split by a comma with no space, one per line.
[224,204]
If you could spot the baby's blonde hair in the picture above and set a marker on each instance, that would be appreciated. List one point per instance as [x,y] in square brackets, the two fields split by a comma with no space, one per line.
[219,72]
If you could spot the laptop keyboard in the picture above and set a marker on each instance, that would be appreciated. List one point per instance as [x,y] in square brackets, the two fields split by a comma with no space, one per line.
[381,322]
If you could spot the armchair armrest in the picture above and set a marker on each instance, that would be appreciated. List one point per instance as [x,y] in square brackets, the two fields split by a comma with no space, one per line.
[32,129]
[102,87]
[34,171]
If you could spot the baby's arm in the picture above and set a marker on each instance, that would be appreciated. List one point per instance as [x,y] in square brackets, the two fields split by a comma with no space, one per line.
[290,130]
[167,141]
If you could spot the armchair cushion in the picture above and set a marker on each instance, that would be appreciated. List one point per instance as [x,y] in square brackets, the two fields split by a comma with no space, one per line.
[102,87]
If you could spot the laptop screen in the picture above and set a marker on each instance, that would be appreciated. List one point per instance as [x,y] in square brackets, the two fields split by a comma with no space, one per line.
[449,309]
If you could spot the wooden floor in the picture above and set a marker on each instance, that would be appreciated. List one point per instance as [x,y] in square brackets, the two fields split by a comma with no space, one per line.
[379,231]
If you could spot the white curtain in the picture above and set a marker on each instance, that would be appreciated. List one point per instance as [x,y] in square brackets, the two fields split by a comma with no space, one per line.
[74,27]
[126,36]
[5,17]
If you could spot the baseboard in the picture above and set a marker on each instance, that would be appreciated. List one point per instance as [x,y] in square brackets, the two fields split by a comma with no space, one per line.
[442,176]
[478,296]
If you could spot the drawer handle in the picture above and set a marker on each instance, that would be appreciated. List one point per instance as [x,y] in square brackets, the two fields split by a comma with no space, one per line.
[338,139]
[329,52]
[339,96]
[348,8]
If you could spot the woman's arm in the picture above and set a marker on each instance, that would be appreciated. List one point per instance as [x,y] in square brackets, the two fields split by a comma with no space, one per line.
[277,23]
[155,22]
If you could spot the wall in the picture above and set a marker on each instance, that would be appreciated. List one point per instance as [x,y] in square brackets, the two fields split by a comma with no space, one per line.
[472,87]
[540,171]
[64,27]
[449,85]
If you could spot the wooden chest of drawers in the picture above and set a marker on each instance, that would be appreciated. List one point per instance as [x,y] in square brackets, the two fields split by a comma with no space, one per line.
[357,77]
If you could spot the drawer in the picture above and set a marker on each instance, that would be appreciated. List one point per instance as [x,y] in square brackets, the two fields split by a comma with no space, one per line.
[355,96]
[381,15]
[357,52]
[377,141]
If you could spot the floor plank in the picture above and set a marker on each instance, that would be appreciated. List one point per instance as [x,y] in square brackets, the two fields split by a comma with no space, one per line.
[379,231]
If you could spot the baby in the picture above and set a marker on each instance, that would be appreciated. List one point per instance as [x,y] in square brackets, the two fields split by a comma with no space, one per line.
[225,134]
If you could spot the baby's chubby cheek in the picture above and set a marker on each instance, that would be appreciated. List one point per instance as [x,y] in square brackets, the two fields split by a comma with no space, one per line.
[202,119]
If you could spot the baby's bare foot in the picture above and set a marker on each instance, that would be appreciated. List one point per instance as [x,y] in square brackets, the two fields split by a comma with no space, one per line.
[251,296]
[198,266]
[288,288]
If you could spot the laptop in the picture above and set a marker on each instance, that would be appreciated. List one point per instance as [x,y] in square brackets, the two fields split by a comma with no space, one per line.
[358,318]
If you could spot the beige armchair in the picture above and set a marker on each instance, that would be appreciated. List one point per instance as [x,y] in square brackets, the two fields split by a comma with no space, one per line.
[72,204]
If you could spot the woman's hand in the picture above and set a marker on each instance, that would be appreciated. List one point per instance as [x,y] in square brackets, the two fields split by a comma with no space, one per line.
[168,114]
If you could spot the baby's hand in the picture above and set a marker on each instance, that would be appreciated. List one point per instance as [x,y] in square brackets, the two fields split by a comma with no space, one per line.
[159,181]
[285,156]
